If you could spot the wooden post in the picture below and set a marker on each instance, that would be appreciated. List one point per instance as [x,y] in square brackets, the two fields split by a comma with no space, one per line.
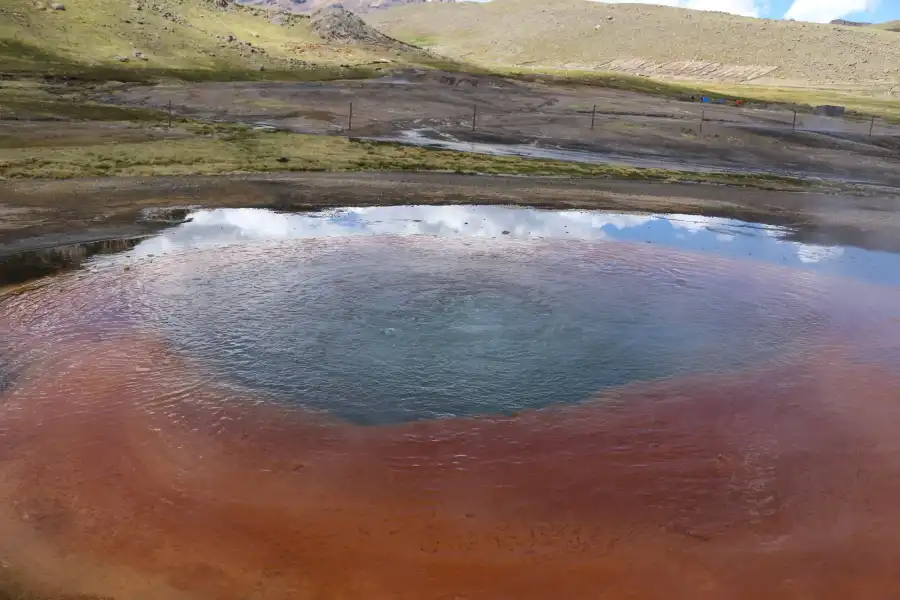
[702,118]
[474,115]
[872,126]
[170,114]
[593,114]
[794,124]
[350,120]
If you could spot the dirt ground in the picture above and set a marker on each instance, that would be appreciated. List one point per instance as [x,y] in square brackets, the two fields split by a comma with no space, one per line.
[48,225]
[852,197]
[629,128]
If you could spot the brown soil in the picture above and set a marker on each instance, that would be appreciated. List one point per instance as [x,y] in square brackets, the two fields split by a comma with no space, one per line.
[631,128]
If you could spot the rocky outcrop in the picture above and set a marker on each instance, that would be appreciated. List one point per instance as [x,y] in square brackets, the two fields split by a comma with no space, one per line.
[341,26]
[847,23]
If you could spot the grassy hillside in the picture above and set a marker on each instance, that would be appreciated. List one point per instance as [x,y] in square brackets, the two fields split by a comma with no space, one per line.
[185,37]
[645,40]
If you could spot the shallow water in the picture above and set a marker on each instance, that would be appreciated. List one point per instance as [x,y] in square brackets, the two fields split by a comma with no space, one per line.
[470,402]
[435,139]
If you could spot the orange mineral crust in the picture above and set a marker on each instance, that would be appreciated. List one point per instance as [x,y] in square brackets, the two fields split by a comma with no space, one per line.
[124,473]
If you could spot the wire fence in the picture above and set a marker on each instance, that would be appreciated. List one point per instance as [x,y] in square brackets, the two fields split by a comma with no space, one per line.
[594,119]
[359,116]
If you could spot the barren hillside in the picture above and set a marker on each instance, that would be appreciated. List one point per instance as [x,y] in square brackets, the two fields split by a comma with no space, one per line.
[308,6]
[646,40]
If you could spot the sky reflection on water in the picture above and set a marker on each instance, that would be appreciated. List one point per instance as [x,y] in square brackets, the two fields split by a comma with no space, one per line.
[723,237]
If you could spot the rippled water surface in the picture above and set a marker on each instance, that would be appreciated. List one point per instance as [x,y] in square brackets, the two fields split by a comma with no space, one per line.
[456,402]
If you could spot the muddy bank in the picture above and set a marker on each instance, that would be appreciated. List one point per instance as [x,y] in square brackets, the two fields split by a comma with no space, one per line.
[41,215]
[30,264]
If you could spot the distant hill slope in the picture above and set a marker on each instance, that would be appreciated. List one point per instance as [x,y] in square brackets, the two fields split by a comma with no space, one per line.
[849,23]
[181,35]
[888,26]
[646,40]
[307,6]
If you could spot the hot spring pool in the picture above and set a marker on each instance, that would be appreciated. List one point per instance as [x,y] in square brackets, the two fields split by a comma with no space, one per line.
[377,315]
[463,401]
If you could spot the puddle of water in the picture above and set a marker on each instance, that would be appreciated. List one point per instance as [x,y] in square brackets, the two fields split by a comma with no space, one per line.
[266,405]
[435,139]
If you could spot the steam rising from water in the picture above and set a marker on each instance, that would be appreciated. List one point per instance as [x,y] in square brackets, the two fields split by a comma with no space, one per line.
[190,427]
[380,329]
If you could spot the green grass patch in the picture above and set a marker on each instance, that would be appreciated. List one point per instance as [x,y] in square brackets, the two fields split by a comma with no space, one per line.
[616,81]
[31,100]
[423,41]
[12,51]
[190,41]
[857,102]
[22,60]
[221,149]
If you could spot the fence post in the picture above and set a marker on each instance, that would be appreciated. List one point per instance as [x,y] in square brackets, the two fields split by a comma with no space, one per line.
[872,126]
[702,118]
[593,114]
[474,115]
[350,120]
[794,124]
[170,114]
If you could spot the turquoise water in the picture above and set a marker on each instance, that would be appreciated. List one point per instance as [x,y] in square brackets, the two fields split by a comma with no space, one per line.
[403,313]
[393,314]
[381,332]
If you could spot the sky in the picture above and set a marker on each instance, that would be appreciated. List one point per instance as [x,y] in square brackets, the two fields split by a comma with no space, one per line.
[820,11]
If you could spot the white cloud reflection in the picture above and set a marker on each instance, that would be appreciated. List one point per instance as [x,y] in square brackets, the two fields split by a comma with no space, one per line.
[232,226]
[229,226]
[809,253]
